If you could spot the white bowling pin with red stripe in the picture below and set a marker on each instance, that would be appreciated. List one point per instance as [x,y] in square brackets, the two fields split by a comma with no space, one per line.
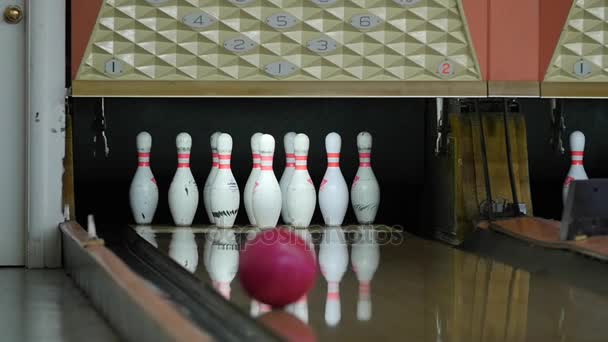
[365,191]
[301,196]
[333,191]
[253,177]
[211,177]
[224,196]
[266,192]
[143,193]
[183,192]
[333,261]
[577,170]
[365,258]
[288,142]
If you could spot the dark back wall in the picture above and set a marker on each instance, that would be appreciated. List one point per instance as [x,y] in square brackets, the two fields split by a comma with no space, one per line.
[397,125]
[102,184]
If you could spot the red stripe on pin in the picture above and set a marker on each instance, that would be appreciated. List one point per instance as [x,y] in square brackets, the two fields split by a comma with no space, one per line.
[578,153]
[577,162]
[266,168]
[144,154]
[365,155]
[224,166]
[183,165]
[301,157]
[365,164]
[290,165]
[215,164]
[289,155]
[266,158]
[183,155]
[301,167]
[331,164]
[143,164]
[224,156]
[333,296]
[333,155]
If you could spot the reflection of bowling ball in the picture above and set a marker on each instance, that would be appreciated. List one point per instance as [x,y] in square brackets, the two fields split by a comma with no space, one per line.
[277,267]
[287,326]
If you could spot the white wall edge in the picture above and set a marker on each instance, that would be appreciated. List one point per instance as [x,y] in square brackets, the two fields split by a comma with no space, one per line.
[46,70]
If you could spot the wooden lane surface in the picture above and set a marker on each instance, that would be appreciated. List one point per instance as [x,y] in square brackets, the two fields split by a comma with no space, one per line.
[545,233]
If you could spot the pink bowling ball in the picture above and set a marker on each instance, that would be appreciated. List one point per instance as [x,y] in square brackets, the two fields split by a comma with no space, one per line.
[277,267]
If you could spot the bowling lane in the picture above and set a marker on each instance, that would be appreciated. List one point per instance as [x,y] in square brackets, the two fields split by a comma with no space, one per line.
[419,291]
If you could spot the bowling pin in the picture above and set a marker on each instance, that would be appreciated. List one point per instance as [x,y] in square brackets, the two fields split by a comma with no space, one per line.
[224,194]
[183,248]
[253,177]
[577,170]
[301,194]
[288,142]
[365,257]
[143,194]
[223,260]
[333,192]
[333,261]
[365,191]
[183,192]
[211,177]
[266,198]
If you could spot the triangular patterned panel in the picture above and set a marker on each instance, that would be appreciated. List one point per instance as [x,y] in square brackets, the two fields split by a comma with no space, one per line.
[330,40]
[579,55]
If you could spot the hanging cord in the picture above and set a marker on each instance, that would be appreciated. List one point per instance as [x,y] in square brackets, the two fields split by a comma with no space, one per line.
[516,211]
[486,171]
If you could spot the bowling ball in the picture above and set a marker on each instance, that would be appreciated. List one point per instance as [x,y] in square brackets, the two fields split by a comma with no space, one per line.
[277,267]
[287,326]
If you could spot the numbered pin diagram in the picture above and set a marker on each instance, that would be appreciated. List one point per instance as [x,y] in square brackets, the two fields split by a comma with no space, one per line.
[241,2]
[365,21]
[322,45]
[281,20]
[157,2]
[198,20]
[114,67]
[239,44]
[280,69]
[582,68]
[324,2]
[445,69]
[407,2]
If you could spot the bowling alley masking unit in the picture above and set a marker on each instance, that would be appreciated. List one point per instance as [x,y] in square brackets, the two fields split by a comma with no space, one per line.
[262,47]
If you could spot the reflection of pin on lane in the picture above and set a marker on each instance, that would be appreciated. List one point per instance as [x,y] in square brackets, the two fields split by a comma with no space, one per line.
[333,260]
[183,192]
[224,194]
[183,248]
[223,260]
[143,193]
[209,182]
[365,257]
[365,191]
[577,170]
